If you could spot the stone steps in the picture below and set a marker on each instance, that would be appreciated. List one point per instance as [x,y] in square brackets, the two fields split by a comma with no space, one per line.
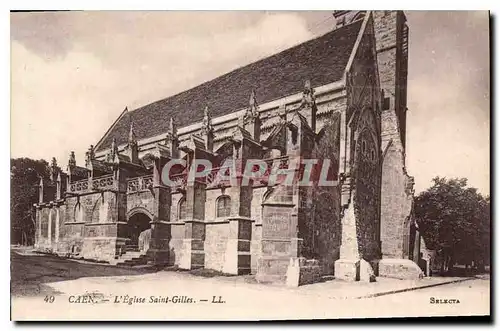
[132,255]
[131,258]
[131,248]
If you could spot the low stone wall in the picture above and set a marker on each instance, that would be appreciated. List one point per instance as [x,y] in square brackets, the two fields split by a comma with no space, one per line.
[177,232]
[255,247]
[301,272]
[237,257]
[101,249]
[216,237]
[399,269]
[355,270]
[193,254]
[70,246]
[46,247]
[227,246]
[272,269]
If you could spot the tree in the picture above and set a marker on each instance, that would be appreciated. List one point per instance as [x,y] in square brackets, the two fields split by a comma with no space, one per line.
[25,177]
[455,220]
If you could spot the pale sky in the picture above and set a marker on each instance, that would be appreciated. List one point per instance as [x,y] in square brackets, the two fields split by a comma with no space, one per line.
[73,73]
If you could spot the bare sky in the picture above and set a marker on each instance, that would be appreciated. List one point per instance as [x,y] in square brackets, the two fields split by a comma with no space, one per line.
[73,73]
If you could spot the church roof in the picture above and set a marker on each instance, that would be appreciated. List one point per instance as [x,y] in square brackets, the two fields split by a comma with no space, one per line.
[321,60]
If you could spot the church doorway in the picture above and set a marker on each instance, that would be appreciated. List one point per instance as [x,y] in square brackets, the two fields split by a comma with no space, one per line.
[138,228]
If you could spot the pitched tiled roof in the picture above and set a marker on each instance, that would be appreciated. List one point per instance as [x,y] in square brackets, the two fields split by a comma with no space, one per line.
[322,60]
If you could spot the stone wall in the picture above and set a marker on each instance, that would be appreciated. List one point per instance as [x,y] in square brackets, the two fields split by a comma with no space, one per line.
[174,208]
[256,215]
[71,238]
[276,242]
[324,204]
[216,237]
[238,255]
[301,272]
[199,202]
[177,232]
[211,203]
[94,208]
[392,63]
[385,34]
[69,228]
[143,199]
[364,105]
[43,226]
[103,240]
[71,204]
[48,226]
[396,202]
[101,249]
[360,165]
[396,205]
[367,197]
[91,223]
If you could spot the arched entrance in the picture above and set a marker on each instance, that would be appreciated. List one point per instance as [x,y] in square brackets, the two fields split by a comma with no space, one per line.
[138,225]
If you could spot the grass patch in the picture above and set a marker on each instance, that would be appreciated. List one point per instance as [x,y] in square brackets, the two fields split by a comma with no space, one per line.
[208,273]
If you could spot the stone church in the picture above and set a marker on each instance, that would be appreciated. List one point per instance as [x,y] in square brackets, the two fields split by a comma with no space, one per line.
[340,97]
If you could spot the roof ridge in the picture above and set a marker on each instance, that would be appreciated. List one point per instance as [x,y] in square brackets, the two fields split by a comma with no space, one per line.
[251,63]
[98,144]
[322,60]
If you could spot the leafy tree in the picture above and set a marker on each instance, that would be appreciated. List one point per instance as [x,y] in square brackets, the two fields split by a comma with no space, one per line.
[25,174]
[455,220]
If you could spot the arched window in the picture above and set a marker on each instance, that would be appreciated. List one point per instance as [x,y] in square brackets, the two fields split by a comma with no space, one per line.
[182,209]
[78,213]
[223,206]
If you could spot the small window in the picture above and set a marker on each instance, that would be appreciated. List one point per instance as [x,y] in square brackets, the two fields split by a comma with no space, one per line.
[78,214]
[386,104]
[223,206]
[182,209]
[372,155]
[363,146]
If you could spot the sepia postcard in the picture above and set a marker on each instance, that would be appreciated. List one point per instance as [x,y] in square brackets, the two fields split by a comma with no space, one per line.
[249,165]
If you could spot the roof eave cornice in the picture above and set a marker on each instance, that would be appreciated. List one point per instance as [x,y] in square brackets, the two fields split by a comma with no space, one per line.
[289,99]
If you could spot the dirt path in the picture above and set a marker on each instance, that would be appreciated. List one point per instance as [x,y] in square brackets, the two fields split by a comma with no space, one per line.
[30,272]
[195,297]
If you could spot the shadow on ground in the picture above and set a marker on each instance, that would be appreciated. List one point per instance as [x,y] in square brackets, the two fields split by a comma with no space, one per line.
[460,271]
[30,273]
